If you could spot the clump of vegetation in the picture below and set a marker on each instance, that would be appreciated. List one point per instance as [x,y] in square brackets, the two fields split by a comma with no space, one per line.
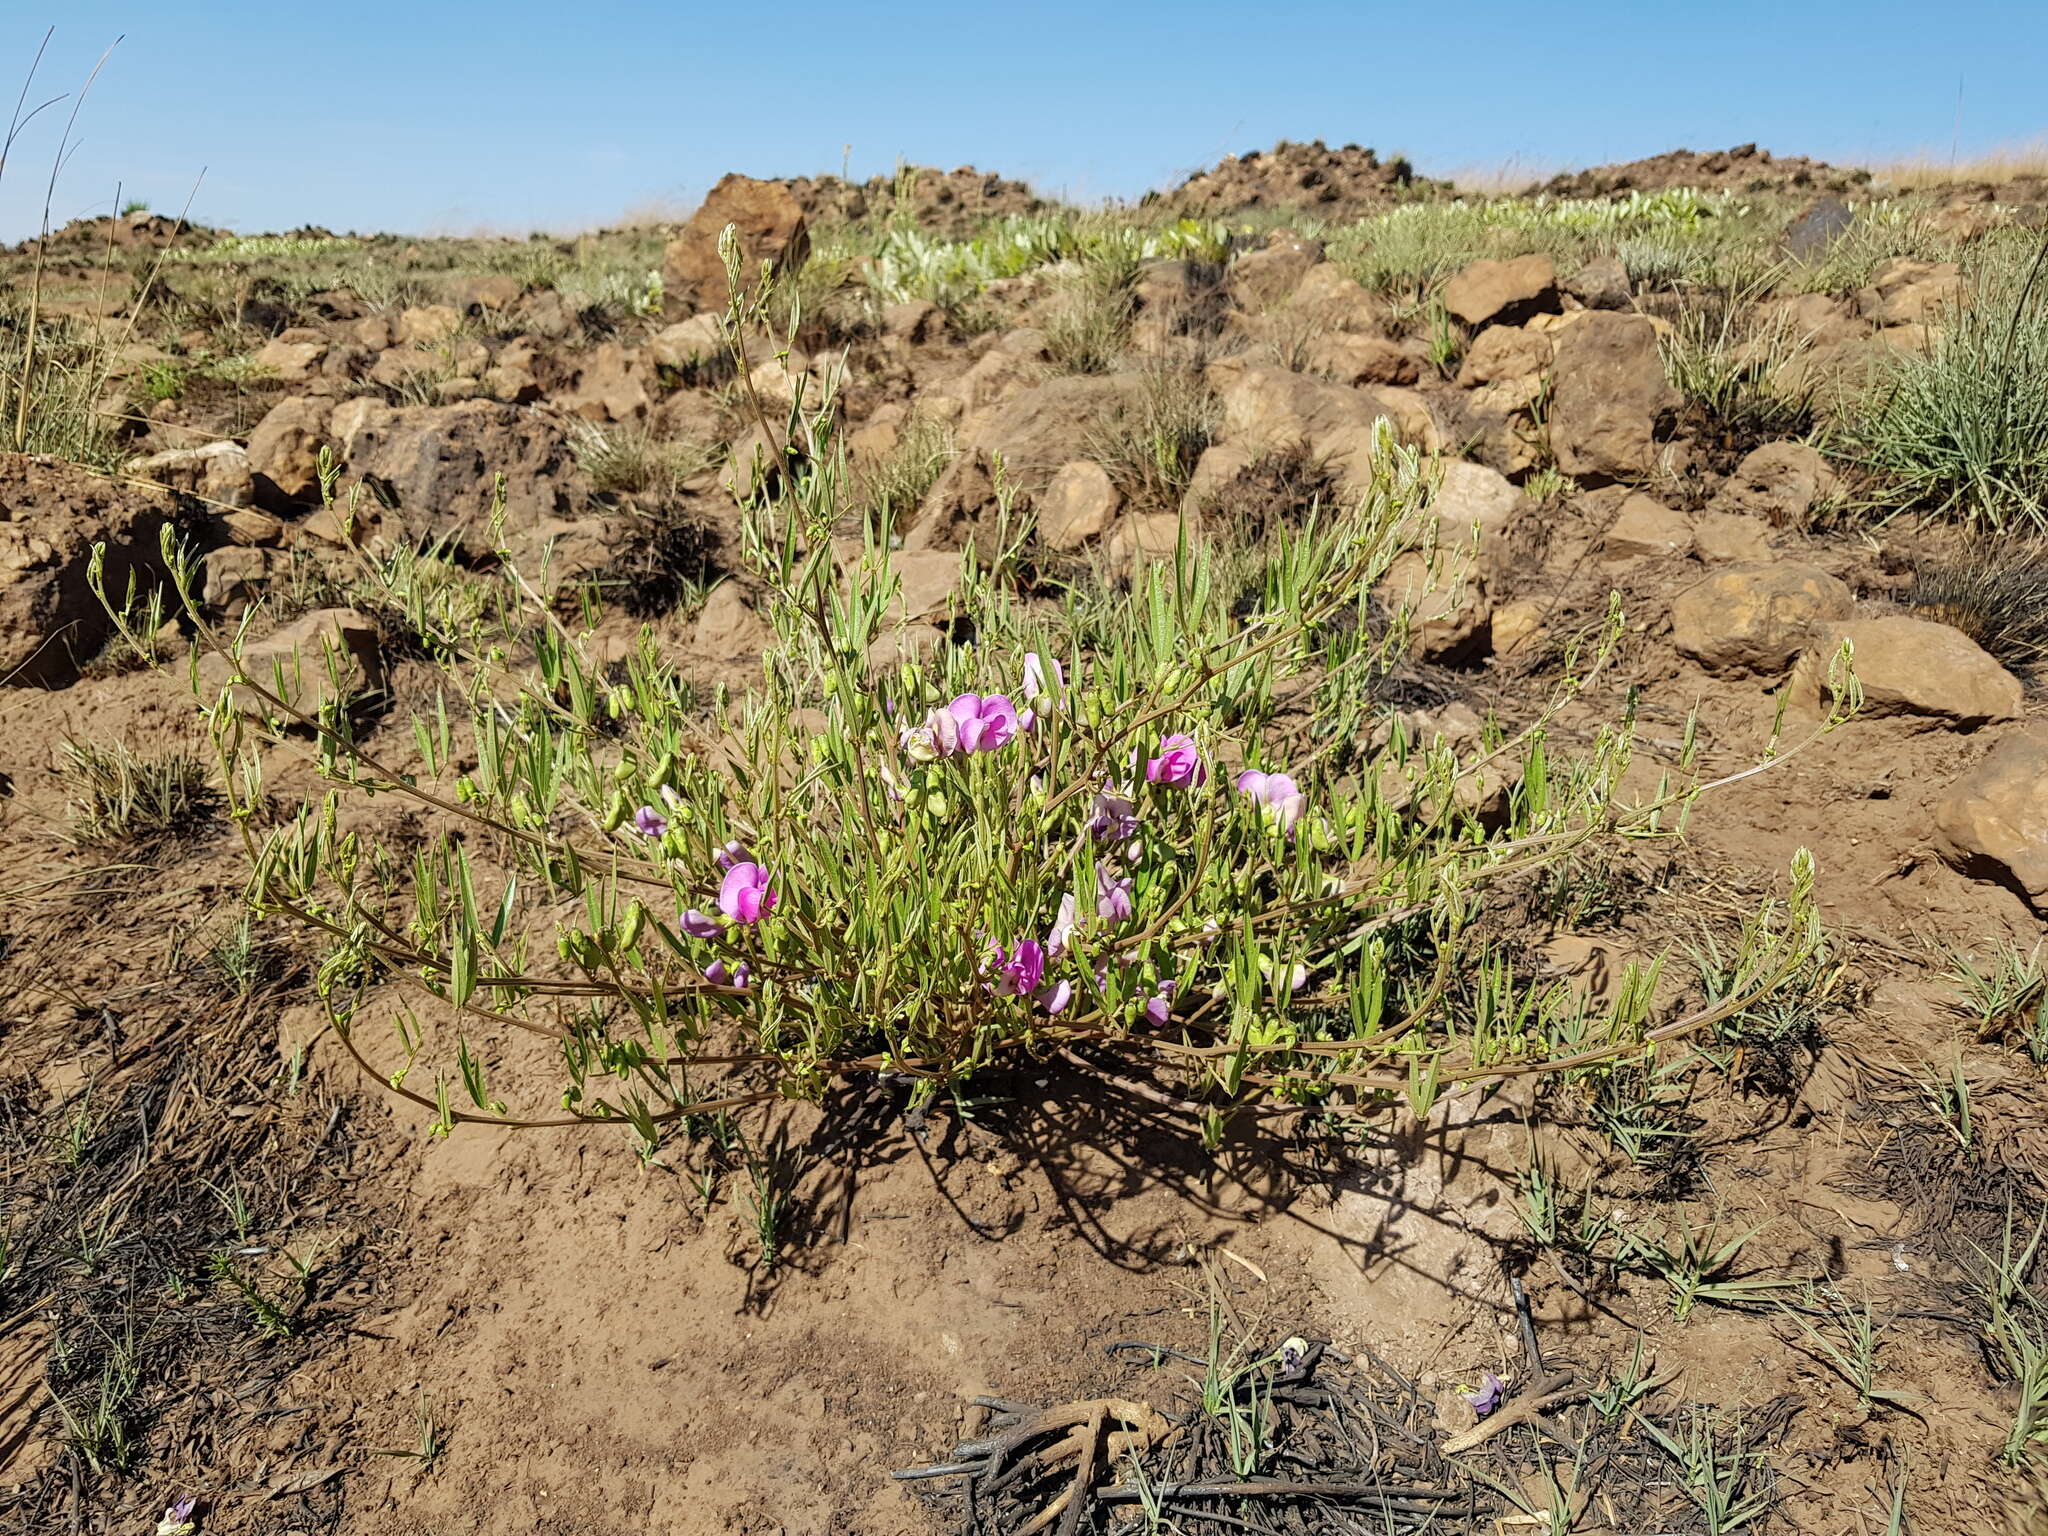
[1995,590]
[1962,432]
[120,798]
[634,461]
[1091,321]
[893,487]
[1732,369]
[1150,451]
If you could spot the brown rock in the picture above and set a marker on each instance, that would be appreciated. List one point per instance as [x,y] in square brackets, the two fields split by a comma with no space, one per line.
[1077,506]
[293,356]
[492,291]
[1449,617]
[1472,497]
[232,577]
[1147,536]
[729,628]
[1270,409]
[1720,538]
[299,663]
[1993,822]
[1915,667]
[1504,291]
[1907,292]
[1610,399]
[51,515]
[1780,483]
[217,473]
[1031,436]
[1502,352]
[928,585]
[434,467]
[1645,528]
[1602,283]
[426,326]
[610,384]
[1270,274]
[1349,358]
[284,451]
[1756,618]
[770,225]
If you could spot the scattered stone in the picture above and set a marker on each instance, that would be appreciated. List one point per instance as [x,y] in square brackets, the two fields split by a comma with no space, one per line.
[1349,358]
[729,628]
[1147,536]
[1781,483]
[1449,619]
[293,356]
[1915,667]
[1814,231]
[1610,400]
[1270,274]
[1646,528]
[284,451]
[1507,292]
[1032,435]
[1470,496]
[1907,292]
[1993,822]
[426,326]
[233,577]
[771,227]
[1516,628]
[51,515]
[302,662]
[1722,538]
[928,585]
[1602,283]
[492,292]
[1505,352]
[1756,618]
[217,473]
[1077,506]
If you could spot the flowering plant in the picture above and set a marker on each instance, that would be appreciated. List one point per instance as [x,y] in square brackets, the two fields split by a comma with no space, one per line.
[1170,828]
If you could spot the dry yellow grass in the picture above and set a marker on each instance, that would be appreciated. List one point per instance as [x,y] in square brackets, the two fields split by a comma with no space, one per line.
[1928,168]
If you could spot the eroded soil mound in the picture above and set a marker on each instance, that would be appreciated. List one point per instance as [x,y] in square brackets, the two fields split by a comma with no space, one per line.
[951,203]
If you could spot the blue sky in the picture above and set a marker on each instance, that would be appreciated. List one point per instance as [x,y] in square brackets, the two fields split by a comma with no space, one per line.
[449,115]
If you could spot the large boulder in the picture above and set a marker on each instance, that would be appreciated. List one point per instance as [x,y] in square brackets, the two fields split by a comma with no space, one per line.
[1507,292]
[51,515]
[433,469]
[771,227]
[1026,439]
[1916,668]
[1993,822]
[1756,618]
[217,474]
[1077,506]
[1610,400]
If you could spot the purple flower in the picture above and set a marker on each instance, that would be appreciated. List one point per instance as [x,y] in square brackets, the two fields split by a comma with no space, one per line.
[1159,1007]
[649,822]
[1022,969]
[732,853]
[984,723]
[1112,896]
[177,1520]
[1111,818]
[1276,794]
[718,976]
[700,925]
[1056,997]
[1488,1397]
[744,895]
[1179,764]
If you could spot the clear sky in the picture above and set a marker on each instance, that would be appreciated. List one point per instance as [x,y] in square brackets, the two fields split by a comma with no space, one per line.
[450,115]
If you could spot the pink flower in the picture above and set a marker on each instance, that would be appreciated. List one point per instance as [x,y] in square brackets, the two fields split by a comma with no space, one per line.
[1159,1007]
[1276,794]
[718,976]
[700,925]
[1179,763]
[1022,969]
[732,853]
[649,822]
[1056,997]
[744,895]
[1112,896]
[984,723]
[1111,818]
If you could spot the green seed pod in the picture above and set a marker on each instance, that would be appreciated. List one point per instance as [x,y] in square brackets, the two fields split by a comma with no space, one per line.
[623,773]
[636,920]
[664,769]
[616,813]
